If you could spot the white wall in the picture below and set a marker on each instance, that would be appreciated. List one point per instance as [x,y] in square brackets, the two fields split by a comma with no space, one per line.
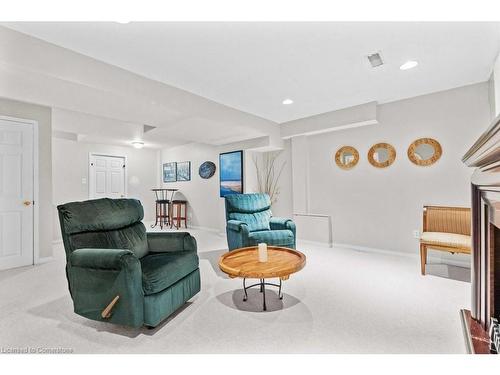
[379,208]
[283,206]
[496,87]
[300,176]
[70,165]
[43,116]
[202,194]
[205,207]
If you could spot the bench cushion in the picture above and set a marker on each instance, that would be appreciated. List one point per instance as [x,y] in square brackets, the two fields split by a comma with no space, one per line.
[458,241]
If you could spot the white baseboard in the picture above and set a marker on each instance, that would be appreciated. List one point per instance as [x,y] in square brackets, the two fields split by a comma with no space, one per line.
[372,250]
[207,229]
[430,258]
[314,243]
[43,260]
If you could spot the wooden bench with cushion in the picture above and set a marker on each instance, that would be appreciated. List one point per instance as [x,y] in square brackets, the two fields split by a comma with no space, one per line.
[445,229]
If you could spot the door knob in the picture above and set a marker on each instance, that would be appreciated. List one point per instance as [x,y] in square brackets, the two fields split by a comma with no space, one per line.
[27,203]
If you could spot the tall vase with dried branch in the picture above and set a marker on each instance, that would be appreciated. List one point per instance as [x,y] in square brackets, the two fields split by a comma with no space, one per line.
[269,171]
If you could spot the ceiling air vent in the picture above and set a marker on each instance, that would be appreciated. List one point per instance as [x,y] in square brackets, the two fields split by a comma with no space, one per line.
[148,128]
[375,60]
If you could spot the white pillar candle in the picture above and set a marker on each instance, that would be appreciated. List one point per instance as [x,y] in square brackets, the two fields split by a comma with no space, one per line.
[263,252]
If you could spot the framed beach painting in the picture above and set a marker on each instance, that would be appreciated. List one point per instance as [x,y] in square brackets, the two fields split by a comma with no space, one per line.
[170,172]
[184,171]
[231,173]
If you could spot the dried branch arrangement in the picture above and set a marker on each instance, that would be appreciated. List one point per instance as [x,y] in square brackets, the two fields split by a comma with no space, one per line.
[268,174]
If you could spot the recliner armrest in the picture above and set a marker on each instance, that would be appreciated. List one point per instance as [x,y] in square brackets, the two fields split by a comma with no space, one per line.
[171,241]
[237,225]
[108,259]
[277,223]
[106,285]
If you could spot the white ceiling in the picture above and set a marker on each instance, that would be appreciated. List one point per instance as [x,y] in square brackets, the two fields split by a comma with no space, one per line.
[98,102]
[254,66]
[96,129]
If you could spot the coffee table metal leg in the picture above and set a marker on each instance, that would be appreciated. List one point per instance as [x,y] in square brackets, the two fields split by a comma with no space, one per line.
[263,289]
[262,286]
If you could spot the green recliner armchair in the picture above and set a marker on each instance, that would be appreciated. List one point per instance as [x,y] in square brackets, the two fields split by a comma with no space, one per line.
[249,221]
[117,272]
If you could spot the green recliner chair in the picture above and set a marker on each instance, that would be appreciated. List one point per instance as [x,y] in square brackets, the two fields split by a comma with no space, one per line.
[249,221]
[120,274]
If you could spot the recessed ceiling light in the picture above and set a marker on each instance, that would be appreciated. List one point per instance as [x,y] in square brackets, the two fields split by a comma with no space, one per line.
[408,65]
[123,22]
[287,101]
[138,144]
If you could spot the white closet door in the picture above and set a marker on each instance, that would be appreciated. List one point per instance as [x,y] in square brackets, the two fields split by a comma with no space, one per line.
[16,194]
[107,177]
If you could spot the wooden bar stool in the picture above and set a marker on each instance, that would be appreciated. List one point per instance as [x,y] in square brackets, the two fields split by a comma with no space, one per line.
[177,213]
[162,208]
[162,212]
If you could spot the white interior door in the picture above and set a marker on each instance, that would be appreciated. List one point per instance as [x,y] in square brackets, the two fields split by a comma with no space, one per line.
[16,194]
[107,176]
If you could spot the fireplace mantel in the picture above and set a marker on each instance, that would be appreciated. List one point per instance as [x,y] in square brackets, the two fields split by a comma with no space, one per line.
[484,156]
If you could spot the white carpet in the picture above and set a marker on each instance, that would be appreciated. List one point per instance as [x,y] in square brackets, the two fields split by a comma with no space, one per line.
[343,301]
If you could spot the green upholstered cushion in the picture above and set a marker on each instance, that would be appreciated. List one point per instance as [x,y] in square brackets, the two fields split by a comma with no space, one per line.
[255,221]
[236,225]
[160,305]
[247,203]
[99,215]
[106,259]
[273,237]
[94,284]
[161,270]
[159,242]
[131,238]
[281,223]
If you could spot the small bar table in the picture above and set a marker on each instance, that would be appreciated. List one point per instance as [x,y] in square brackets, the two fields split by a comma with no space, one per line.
[163,206]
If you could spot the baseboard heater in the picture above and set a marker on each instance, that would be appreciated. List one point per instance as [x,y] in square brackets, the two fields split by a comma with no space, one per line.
[315,228]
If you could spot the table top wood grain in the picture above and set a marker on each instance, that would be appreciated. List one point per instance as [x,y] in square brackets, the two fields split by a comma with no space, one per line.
[244,262]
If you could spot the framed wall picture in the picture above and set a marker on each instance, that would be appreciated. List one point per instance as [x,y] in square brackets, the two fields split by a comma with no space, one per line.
[184,171]
[170,172]
[231,173]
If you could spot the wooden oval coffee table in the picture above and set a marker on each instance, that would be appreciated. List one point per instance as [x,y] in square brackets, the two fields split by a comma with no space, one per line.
[244,262]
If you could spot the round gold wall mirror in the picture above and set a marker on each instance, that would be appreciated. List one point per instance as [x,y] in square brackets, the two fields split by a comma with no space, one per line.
[381,155]
[424,152]
[346,157]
